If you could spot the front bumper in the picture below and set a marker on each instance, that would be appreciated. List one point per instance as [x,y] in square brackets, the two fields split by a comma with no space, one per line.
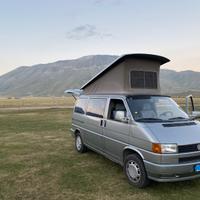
[171,172]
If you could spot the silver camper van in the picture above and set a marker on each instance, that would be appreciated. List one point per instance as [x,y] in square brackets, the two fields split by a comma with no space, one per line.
[122,115]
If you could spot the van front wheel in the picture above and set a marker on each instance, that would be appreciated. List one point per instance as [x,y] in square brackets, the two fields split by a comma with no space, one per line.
[135,171]
[80,147]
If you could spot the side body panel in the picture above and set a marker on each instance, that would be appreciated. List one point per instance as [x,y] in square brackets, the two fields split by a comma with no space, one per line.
[116,134]
[116,137]
[93,133]
[79,120]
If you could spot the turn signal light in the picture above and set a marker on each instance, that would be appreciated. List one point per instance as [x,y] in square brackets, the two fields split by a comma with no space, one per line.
[164,148]
[156,148]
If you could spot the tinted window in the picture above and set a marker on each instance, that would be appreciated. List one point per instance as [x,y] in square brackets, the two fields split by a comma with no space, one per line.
[96,107]
[80,106]
[142,79]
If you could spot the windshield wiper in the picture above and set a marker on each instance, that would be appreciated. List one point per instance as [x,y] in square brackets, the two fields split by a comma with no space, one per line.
[177,118]
[150,120]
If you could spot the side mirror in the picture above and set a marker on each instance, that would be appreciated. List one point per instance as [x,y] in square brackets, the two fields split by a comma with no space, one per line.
[125,120]
[189,104]
[190,109]
[195,114]
[120,115]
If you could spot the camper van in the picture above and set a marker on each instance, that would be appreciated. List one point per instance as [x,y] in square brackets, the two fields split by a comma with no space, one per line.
[121,114]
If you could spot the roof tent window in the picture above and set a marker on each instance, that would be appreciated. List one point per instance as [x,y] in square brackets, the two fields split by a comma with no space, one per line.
[142,79]
[150,79]
[137,79]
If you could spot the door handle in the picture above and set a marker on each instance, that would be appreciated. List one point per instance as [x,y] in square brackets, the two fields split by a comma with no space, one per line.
[103,123]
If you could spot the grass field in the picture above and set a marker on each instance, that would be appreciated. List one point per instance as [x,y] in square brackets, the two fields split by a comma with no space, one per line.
[48,102]
[36,102]
[38,162]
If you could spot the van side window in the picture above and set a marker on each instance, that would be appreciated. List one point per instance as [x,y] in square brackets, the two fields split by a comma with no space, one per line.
[142,79]
[116,110]
[96,107]
[80,106]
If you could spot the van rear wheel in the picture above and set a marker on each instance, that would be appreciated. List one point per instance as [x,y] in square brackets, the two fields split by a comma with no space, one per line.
[80,147]
[135,171]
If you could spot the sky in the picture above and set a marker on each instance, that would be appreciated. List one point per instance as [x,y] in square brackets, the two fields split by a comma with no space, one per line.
[44,31]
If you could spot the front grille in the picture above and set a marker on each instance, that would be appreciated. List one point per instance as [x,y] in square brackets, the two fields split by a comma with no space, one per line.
[187,148]
[189,159]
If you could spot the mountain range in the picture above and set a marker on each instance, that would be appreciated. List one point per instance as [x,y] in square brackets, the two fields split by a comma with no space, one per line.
[53,78]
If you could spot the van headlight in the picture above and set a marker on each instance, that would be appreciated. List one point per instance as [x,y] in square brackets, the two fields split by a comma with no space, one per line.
[164,148]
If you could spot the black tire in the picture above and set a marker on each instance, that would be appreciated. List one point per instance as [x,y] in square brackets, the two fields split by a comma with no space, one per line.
[79,146]
[135,171]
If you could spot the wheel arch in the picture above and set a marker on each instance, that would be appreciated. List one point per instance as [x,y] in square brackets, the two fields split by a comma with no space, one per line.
[77,131]
[131,150]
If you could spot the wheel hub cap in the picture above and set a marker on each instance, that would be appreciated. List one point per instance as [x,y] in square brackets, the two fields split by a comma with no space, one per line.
[133,171]
[78,142]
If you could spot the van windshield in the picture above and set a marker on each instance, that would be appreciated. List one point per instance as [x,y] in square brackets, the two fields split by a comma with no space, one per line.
[155,109]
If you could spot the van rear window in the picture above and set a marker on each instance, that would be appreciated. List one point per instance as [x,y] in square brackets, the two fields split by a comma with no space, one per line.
[96,107]
[143,79]
[80,106]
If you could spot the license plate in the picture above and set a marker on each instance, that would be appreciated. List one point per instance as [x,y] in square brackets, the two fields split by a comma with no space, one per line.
[197,168]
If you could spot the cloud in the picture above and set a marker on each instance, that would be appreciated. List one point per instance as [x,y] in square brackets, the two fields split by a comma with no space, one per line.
[86,31]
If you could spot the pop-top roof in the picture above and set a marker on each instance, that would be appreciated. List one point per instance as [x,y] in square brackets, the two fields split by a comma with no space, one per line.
[162,60]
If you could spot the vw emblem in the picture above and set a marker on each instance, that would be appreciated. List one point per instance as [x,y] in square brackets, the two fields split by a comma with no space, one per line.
[198,147]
